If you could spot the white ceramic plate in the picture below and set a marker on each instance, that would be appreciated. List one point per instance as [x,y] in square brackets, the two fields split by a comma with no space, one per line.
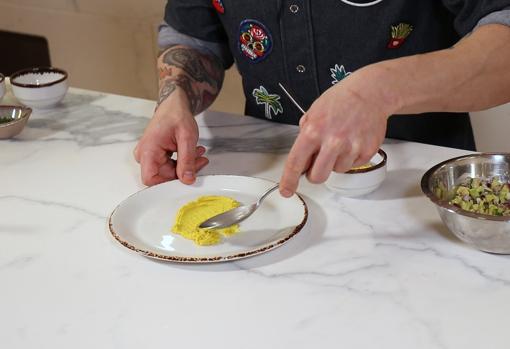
[143,221]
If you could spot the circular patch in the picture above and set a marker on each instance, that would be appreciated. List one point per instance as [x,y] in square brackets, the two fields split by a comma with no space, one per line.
[255,41]
[218,5]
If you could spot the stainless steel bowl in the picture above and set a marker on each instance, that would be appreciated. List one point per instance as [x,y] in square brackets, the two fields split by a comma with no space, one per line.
[14,120]
[487,233]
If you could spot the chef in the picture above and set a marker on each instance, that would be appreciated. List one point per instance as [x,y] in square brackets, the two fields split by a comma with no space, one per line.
[362,69]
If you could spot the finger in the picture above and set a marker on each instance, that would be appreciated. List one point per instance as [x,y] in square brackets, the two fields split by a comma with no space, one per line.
[364,158]
[167,170]
[136,153]
[325,162]
[186,155]
[303,120]
[345,162]
[150,162]
[201,163]
[361,161]
[200,151]
[299,158]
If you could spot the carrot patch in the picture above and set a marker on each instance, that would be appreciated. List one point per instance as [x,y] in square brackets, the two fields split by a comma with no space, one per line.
[399,34]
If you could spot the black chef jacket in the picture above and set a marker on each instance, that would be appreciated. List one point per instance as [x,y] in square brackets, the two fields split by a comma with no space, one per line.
[309,46]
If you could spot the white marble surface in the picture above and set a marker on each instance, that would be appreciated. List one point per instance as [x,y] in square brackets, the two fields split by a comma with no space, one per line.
[374,272]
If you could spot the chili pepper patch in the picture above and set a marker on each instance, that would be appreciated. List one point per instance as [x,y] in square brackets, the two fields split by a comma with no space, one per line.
[255,41]
[271,102]
[338,73]
[218,5]
[399,34]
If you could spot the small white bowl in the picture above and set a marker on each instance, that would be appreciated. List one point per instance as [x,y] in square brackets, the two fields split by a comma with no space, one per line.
[40,88]
[359,182]
[2,86]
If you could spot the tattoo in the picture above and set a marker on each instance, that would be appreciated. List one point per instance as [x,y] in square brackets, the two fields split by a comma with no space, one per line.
[185,83]
[199,76]
[164,72]
[166,90]
[191,62]
[162,51]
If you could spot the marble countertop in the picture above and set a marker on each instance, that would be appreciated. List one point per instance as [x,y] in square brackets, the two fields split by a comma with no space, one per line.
[379,271]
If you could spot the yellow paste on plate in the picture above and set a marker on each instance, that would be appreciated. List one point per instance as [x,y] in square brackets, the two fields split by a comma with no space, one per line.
[191,215]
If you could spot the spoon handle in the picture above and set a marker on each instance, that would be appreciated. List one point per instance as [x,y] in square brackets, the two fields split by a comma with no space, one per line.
[291,98]
[269,191]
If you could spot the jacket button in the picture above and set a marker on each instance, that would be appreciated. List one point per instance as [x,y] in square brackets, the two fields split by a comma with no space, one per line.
[301,68]
[294,8]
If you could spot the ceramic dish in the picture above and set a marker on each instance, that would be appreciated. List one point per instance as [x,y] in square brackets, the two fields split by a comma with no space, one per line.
[2,86]
[143,221]
[361,181]
[40,88]
[17,116]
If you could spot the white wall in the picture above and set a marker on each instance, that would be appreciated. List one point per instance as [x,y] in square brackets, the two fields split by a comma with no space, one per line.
[492,129]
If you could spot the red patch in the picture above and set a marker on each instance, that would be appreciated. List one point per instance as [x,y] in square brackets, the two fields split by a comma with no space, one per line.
[218,5]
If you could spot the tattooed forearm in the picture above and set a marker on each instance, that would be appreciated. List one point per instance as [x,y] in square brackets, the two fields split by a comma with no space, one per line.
[167,88]
[191,62]
[199,76]
[184,82]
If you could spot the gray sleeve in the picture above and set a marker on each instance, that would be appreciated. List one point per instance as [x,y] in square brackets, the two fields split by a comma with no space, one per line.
[498,17]
[168,36]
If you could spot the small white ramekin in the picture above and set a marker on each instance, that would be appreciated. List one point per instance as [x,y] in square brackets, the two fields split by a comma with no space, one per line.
[361,181]
[40,88]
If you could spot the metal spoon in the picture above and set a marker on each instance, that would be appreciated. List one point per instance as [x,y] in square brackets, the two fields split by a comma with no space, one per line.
[291,98]
[239,214]
[235,215]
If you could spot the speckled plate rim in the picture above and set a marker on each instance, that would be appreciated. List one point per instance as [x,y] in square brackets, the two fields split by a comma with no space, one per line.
[204,260]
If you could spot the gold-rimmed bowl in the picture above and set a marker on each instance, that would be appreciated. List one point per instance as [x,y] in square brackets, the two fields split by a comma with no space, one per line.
[12,120]
[360,181]
[486,233]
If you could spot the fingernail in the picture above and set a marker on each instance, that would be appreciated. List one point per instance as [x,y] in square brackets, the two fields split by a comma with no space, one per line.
[189,175]
[287,193]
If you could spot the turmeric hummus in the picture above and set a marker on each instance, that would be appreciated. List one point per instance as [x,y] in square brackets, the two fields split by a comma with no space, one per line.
[191,215]
[363,167]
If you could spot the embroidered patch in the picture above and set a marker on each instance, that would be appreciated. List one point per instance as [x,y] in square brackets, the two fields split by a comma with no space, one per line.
[255,41]
[399,34]
[218,5]
[361,3]
[271,102]
[338,73]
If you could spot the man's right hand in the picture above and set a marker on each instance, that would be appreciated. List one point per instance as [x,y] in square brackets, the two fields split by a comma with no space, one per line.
[173,129]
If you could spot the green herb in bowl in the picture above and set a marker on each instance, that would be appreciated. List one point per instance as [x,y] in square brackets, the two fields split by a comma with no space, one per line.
[4,120]
[486,196]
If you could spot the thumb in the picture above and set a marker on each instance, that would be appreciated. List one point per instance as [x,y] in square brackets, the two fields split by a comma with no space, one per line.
[186,156]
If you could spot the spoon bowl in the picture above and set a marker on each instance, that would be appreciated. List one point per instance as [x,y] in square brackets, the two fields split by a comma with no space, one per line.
[235,215]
